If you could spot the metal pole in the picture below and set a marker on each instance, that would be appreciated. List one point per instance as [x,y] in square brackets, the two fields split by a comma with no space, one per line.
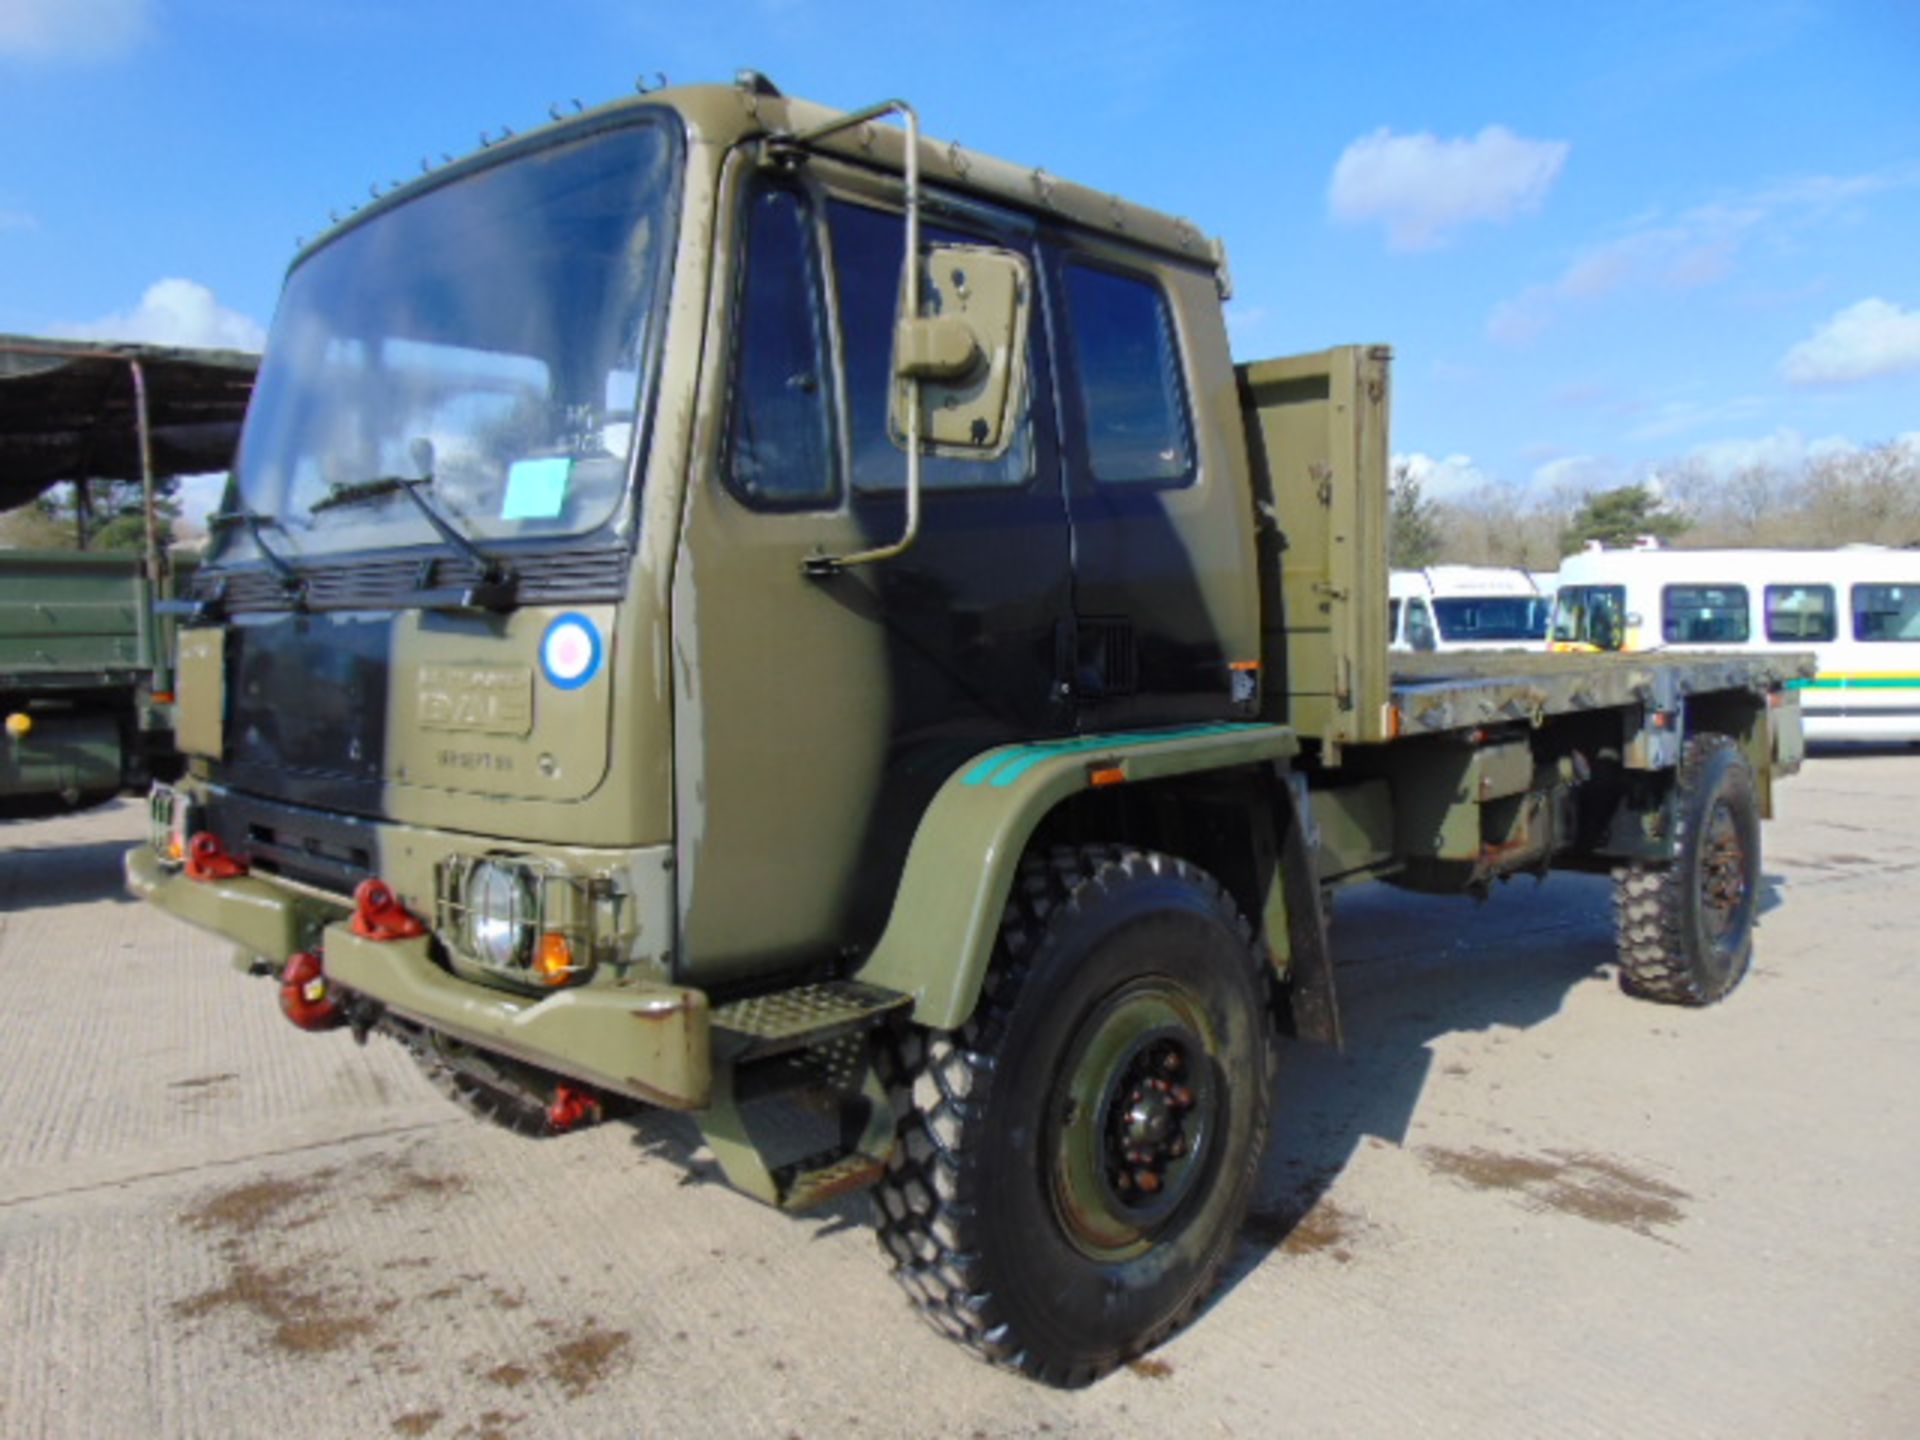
[145,433]
[160,674]
[909,309]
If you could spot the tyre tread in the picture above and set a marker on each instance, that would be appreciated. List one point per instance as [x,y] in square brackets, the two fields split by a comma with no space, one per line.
[931,1251]
[1650,904]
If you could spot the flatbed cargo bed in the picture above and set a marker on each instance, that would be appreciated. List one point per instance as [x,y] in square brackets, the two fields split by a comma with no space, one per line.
[1431,694]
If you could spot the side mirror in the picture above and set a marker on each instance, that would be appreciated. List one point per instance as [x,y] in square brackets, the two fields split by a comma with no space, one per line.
[937,348]
[964,355]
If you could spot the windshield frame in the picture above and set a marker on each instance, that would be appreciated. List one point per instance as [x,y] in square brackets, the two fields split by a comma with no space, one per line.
[235,546]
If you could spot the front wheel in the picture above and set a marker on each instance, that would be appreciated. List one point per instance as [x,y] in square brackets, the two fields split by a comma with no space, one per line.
[1685,929]
[1074,1163]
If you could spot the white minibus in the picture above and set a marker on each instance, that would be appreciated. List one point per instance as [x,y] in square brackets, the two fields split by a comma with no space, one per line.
[1465,607]
[1857,609]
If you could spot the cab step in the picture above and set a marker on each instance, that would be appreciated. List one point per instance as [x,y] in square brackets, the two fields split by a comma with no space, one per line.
[787,1064]
[804,1017]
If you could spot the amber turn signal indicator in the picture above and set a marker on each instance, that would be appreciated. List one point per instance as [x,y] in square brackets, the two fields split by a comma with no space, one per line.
[553,959]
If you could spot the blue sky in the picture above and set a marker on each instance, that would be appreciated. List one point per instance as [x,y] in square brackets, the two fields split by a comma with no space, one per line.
[1597,237]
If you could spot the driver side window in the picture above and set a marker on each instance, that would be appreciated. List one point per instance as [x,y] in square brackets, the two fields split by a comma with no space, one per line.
[780,440]
[1420,633]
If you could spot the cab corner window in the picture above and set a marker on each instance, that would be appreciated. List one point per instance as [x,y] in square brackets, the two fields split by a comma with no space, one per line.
[780,451]
[1132,401]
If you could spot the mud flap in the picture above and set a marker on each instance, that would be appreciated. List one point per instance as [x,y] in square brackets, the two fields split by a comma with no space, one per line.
[1312,997]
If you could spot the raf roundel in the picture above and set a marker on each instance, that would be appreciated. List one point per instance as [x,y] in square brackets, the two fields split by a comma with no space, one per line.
[570,651]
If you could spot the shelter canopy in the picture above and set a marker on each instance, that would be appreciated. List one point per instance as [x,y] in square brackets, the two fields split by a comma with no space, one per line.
[68,411]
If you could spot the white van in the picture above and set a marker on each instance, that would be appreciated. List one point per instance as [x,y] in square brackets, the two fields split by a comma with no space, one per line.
[1857,609]
[1465,607]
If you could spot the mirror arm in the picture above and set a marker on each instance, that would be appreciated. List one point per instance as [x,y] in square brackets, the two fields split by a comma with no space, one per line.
[819,566]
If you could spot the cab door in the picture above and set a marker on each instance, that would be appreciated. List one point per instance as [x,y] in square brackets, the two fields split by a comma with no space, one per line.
[817,713]
[1165,624]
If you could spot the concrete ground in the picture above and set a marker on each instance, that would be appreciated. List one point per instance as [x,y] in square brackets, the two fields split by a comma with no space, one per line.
[1521,1204]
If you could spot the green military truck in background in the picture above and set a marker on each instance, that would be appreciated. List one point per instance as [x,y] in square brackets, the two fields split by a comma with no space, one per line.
[80,652]
[731,606]
[85,641]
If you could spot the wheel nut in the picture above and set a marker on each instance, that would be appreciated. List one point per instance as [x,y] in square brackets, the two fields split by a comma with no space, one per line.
[1147,1180]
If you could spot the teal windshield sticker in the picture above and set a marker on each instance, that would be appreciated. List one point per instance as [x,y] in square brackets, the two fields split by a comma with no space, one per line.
[536,489]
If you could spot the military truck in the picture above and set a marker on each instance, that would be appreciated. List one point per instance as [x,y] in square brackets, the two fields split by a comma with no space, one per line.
[85,643]
[77,665]
[734,607]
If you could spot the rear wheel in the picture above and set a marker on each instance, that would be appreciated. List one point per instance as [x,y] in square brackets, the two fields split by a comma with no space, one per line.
[1074,1163]
[1685,929]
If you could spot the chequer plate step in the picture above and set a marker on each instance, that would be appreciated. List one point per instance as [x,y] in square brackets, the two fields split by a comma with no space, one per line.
[805,1015]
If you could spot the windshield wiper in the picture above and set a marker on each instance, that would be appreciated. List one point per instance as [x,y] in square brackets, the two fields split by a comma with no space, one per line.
[291,580]
[498,585]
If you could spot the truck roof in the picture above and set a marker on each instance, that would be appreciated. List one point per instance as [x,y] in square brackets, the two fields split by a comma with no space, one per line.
[68,411]
[1445,581]
[752,107]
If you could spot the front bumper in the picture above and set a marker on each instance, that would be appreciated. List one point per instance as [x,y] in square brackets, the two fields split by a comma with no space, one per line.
[647,1041]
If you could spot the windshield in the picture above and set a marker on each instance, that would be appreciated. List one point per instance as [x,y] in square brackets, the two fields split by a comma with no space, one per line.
[1491,617]
[486,336]
[1591,615]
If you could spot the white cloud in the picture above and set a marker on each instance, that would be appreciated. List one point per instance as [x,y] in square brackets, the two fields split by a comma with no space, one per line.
[1444,477]
[1686,256]
[1783,449]
[1692,250]
[1677,416]
[1423,187]
[1579,473]
[71,29]
[176,312]
[1874,337]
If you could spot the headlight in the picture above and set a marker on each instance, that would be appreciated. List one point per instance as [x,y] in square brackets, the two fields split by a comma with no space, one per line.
[500,914]
[169,817]
[529,919]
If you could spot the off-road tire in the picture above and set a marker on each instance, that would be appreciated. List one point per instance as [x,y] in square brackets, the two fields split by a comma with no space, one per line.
[1109,962]
[1685,929]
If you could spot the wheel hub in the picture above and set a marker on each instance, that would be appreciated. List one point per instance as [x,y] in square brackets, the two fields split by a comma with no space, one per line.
[1723,872]
[1136,1109]
[1148,1126]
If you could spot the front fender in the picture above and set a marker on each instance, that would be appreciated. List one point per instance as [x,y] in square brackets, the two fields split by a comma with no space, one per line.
[946,914]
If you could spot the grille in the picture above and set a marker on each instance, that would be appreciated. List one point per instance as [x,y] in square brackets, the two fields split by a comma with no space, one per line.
[389,582]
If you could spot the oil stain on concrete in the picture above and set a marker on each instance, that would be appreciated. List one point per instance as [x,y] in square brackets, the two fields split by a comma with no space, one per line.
[1592,1187]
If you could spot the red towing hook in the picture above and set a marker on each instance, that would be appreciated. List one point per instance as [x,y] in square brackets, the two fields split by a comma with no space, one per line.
[306,996]
[207,859]
[379,915]
[572,1107]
